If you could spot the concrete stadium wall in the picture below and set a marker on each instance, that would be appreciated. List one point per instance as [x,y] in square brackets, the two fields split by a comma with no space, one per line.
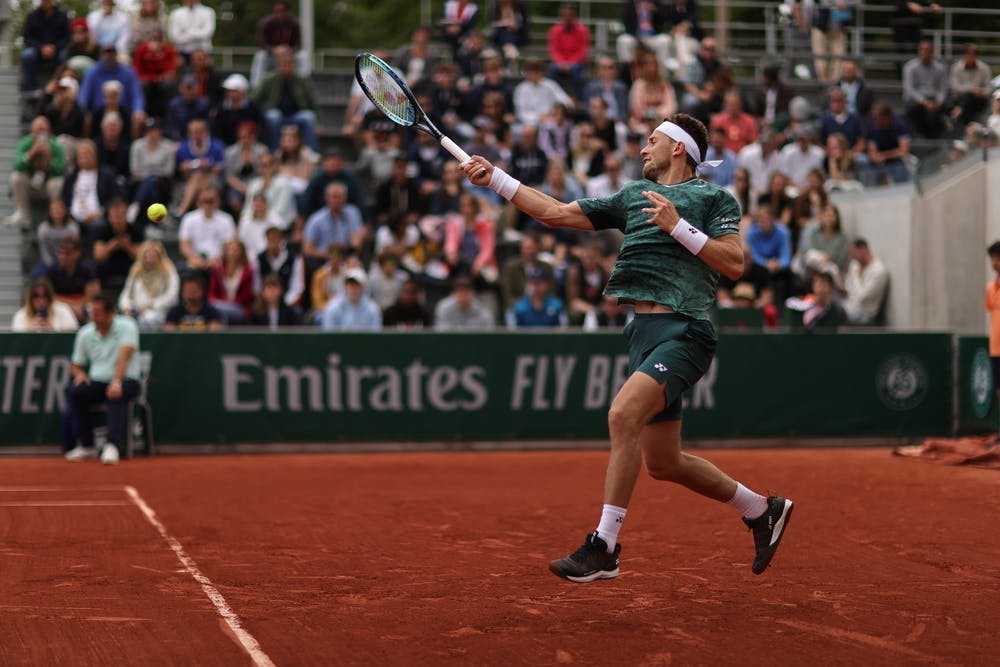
[933,242]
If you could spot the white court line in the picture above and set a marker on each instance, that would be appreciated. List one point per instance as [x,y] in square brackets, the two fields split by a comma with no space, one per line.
[28,489]
[68,503]
[257,655]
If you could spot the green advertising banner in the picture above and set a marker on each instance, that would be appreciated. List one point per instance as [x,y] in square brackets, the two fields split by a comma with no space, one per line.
[313,386]
[977,404]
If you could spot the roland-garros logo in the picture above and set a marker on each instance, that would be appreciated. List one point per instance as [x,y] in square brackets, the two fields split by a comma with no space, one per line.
[901,382]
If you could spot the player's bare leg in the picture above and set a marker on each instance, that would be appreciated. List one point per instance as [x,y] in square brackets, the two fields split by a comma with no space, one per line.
[639,399]
[665,461]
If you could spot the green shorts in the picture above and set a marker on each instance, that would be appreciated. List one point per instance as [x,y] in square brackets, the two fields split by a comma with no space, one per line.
[673,349]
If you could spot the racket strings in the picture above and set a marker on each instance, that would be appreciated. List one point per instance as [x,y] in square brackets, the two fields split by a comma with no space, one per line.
[386,93]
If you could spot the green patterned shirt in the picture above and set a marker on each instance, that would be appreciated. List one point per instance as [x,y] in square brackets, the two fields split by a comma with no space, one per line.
[652,265]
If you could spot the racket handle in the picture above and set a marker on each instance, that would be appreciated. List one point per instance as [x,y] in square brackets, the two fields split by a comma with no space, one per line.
[455,150]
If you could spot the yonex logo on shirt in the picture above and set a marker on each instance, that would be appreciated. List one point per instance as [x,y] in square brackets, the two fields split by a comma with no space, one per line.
[661,368]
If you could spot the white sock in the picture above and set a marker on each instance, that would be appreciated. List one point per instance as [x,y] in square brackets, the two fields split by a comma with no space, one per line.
[612,518]
[752,505]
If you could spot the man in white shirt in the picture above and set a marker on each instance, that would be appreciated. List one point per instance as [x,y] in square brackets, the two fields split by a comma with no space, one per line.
[205,230]
[761,159]
[799,158]
[535,96]
[867,285]
[191,27]
[110,26]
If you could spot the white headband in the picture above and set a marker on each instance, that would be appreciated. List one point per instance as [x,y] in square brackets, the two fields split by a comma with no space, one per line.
[677,133]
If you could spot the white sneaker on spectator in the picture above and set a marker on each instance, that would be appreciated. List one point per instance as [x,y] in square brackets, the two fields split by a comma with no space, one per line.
[79,453]
[109,455]
[38,180]
[16,219]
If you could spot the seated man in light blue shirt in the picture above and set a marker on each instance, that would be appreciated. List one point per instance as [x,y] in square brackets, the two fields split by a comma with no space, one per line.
[338,223]
[105,368]
[771,250]
[355,310]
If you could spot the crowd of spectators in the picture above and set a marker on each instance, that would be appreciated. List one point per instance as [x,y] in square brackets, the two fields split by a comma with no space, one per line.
[273,230]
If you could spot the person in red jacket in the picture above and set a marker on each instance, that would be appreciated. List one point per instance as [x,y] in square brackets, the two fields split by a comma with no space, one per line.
[569,43]
[230,284]
[155,62]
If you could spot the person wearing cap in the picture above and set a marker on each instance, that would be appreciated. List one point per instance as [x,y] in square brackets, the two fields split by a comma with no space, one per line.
[64,113]
[681,233]
[237,107]
[110,27]
[45,34]
[91,95]
[288,98]
[191,27]
[39,167]
[538,307]
[354,310]
[155,62]
[280,28]
[186,106]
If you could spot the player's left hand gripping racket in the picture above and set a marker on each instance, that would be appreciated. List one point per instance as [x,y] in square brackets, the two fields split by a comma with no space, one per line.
[395,99]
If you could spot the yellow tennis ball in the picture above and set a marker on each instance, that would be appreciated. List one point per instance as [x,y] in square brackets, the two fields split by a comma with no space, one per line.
[156,212]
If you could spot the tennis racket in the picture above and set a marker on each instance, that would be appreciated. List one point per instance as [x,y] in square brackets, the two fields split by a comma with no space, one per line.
[395,99]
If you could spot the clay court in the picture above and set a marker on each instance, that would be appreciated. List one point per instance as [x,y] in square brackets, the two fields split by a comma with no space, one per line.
[441,559]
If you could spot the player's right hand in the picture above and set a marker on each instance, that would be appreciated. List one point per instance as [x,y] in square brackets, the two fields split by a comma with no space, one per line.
[478,170]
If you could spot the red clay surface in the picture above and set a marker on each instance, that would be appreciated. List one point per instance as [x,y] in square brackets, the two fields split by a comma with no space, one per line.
[441,559]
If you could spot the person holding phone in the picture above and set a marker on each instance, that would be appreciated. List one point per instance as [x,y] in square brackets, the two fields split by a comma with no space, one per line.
[41,312]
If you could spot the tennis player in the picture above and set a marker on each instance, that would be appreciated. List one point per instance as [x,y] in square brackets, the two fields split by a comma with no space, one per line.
[680,234]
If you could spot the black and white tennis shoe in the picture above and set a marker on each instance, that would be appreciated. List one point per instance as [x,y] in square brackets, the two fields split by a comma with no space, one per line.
[588,563]
[768,529]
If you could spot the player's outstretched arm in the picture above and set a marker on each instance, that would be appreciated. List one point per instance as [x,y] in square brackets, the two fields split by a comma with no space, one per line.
[538,205]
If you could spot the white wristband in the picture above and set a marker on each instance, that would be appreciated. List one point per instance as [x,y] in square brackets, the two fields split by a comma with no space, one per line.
[688,236]
[504,184]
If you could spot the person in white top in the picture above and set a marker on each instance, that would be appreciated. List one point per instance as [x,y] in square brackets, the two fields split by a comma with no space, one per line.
[801,157]
[191,27]
[41,312]
[110,26]
[611,181]
[535,96]
[205,230]
[867,285]
[256,220]
[277,191]
[151,288]
[761,160]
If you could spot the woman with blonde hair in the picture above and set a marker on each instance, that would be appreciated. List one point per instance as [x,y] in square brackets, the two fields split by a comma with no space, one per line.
[41,311]
[151,288]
